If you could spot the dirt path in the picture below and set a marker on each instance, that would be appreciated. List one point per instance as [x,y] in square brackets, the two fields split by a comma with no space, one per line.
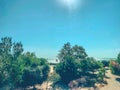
[113,84]
[46,84]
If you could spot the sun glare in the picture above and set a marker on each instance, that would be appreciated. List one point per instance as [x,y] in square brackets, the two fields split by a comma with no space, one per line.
[69,4]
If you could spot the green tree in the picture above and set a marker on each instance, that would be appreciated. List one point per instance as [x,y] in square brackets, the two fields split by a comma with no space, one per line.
[77,52]
[105,63]
[115,65]
[65,52]
[118,58]
[89,65]
[76,64]
[34,70]
[67,69]
[101,75]
[72,62]
[8,58]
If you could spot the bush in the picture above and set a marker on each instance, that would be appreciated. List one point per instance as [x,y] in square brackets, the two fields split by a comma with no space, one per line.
[34,70]
[115,67]
[77,69]
[105,63]
[67,69]
[71,69]
[31,76]
[54,77]
[10,72]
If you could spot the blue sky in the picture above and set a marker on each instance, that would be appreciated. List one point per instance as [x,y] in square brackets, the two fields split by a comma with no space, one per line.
[43,26]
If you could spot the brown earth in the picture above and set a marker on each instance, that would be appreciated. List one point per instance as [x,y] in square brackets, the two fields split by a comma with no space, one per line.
[113,82]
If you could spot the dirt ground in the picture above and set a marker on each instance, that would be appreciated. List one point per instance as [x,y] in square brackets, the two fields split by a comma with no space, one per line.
[46,84]
[113,82]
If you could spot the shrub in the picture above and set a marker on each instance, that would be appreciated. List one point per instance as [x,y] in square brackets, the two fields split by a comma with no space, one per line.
[115,67]
[10,72]
[74,64]
[34,70]
[105,63]
[67,69]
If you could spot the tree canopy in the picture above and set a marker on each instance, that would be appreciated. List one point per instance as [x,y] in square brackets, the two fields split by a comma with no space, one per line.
[76,52]
[115,65]
[9,70]
[18,68]
[74,63]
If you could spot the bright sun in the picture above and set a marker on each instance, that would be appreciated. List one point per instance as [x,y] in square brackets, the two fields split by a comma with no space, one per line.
[70,4]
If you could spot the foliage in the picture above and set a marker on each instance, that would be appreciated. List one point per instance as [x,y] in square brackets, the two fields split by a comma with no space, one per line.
[70,67]
[78,68]
[79,52]
[76,52]
[17,69]
[89,65]
[101,75]
[118,58]
[25,69]
[105,63]
[35,70]
[74,64]
[54,77]
[67,69]
[9,70]
[115,65]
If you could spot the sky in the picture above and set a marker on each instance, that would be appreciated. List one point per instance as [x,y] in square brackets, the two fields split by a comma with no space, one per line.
[44,26]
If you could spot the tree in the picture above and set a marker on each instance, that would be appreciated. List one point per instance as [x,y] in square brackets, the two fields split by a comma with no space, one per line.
[101,75]
[35,70]
[118,58]
[67,69]
[115,65]
[74,64]
[105,63]
[77,52]
[89,65]
[9,52]
[65,52]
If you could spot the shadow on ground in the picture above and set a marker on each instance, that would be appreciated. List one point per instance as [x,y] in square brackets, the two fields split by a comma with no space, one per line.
[118,79]
[107,77]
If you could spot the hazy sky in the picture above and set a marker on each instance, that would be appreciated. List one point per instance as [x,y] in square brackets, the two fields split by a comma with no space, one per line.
[43,26]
